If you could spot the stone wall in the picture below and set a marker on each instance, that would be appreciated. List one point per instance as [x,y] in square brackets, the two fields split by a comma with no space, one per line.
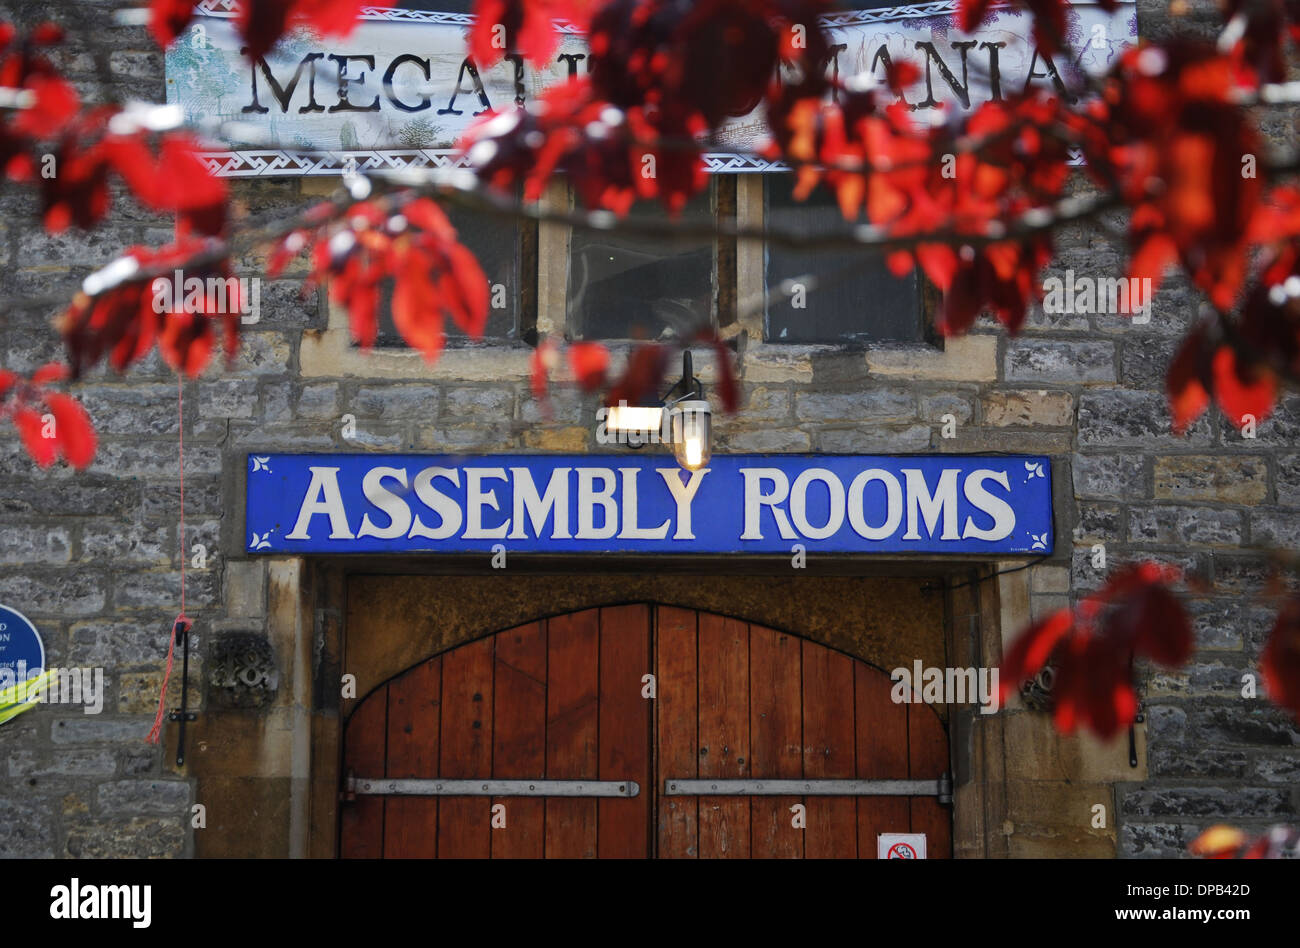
[93,557]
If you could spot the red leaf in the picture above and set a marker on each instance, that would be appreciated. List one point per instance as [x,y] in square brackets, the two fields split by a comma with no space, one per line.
[1157,624]
[1031,650]
[76,434]
[643,378]
[47,34]
[186,342]
[471,297]
[416,313]
[1218,842]
[939,261]
[971,13]
[1184,383]
[900,263]
[31,428]
[503,26]
[1242,389]
[1280,660]
[589,361]
[363,310]
[1153,254]
[331,17]
[50,372]
[56,104]
[168,19]
[262,23]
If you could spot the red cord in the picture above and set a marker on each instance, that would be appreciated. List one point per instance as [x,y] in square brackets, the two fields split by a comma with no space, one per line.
[156,731]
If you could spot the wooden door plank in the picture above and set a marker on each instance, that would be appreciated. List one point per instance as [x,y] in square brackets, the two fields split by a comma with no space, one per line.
[881,755]
[519,737]
[466,748]
[624,825]
[775,739]
[414,705]
[572,716]
[724,733]
[829,751]
[676,751]
[361,830]
[928,749]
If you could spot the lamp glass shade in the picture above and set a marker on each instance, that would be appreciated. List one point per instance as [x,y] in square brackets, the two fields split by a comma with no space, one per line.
[693,434]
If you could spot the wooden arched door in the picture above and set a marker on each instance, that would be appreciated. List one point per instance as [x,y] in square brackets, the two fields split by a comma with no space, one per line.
[570,700]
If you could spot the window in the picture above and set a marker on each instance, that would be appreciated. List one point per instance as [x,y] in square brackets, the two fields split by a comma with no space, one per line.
[626,286]
[856,300]
[505,249]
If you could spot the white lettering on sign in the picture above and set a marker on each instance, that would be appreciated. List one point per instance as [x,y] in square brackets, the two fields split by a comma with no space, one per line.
[769,490]
[501,503]
[323,496]
[409,84]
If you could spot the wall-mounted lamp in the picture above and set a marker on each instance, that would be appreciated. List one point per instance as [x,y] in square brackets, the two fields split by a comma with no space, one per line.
[683,407]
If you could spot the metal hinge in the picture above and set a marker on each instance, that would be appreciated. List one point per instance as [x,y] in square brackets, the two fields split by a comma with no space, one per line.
[380,786]
[941,788]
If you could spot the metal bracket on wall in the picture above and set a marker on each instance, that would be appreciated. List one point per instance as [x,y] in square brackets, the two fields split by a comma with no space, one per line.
[380,786]
[183,714]
[940,788]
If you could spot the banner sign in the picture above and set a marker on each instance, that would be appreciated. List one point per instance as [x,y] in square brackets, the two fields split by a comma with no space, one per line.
[360,503]
[400,90]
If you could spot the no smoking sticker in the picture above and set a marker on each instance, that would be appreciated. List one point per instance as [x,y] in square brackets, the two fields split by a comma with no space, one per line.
[900,846]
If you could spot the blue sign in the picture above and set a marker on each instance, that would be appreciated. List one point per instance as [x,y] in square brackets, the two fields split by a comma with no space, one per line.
[638,503]
[22,653]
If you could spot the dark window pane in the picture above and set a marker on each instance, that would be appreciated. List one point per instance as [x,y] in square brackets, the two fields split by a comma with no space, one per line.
[628,287]
[494,241]
[857,300]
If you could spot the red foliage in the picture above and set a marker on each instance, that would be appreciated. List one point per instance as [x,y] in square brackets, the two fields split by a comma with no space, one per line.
[67,432]
[1205,366]
[1134,616]
[434,275]
[54,101]
[169,18]
[1280,661]
[643,378]
[75,187]
[177,181]
[1260,28]
[608,153]
[527,30]
[132,313]
[589,362]
[1178,146]
[1228,842]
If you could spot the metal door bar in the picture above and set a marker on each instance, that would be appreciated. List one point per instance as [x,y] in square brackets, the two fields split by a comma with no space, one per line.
[941,788]
[380,786]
